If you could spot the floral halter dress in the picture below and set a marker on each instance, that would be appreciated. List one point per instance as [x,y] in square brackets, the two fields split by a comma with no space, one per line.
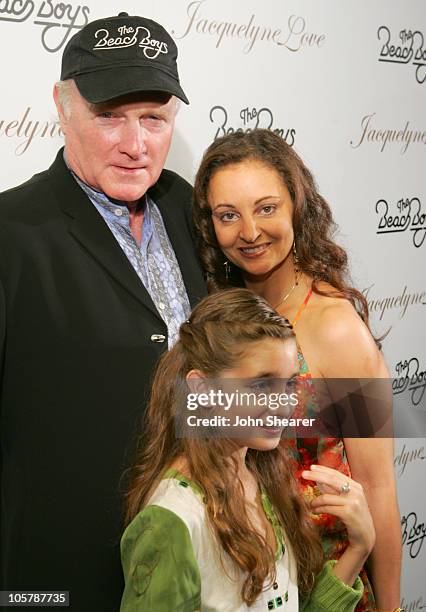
[325,451]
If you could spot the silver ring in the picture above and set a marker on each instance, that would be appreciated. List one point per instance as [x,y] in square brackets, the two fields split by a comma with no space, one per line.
[345,488]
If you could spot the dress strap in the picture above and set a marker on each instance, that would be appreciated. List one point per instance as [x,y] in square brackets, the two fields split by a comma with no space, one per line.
[302,306]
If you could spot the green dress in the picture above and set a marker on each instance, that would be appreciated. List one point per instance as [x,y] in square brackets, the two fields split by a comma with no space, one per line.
[171,562]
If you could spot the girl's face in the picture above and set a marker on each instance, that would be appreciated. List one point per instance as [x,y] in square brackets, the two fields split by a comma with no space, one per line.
[252,216]
[266,368]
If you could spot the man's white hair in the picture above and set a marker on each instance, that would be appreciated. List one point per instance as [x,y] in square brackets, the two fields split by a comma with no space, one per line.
[64,89]
[177,104]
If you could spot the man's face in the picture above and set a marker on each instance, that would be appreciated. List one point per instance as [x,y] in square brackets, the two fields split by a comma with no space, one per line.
[118,147]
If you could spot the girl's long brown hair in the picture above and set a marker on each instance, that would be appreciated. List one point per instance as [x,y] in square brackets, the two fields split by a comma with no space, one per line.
[213,340]
[318,255]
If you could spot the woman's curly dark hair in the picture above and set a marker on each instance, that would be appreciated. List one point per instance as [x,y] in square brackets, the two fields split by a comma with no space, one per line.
[318,255]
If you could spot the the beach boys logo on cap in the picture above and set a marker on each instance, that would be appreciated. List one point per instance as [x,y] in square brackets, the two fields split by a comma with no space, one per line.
[128,36]
[120,55]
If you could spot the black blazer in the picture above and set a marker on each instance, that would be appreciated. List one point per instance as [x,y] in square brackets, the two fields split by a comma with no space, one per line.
[77,348]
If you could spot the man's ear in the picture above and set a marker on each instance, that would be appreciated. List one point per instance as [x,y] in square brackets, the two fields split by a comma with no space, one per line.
[196,380]
[60,109]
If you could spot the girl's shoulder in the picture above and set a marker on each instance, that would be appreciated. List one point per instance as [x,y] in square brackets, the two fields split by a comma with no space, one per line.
[175,507]
[180,495]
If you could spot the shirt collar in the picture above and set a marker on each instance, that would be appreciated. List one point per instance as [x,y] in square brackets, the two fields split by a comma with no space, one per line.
[101,198]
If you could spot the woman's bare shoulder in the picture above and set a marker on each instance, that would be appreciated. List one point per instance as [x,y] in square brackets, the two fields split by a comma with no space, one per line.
[333,311]
[339,340]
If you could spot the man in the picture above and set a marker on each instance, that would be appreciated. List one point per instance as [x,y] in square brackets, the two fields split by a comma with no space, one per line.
[97,271]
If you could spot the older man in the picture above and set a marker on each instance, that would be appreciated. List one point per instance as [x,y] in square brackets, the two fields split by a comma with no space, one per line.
[97,271]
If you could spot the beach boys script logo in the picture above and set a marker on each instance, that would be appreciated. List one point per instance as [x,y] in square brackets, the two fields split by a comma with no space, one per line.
[409,48]
[128,37]
[294,36]
[410,378]
[249,119]
[58,20]
[413,534]
[408,216]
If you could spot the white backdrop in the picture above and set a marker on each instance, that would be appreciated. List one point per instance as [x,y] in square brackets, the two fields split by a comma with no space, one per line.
[344,82]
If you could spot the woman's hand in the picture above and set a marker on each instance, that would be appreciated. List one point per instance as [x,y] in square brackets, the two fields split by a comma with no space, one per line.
[350,507]
[345,498]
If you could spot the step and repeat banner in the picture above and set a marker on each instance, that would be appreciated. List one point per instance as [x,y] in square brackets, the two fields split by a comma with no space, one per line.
[344,83]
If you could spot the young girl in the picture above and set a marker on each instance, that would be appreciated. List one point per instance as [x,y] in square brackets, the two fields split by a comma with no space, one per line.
[217,524]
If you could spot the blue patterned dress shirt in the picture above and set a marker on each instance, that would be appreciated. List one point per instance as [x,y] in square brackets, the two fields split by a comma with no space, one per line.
[154,261]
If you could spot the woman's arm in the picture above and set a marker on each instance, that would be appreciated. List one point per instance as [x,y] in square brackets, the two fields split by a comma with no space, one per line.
[371,463]
[349,351]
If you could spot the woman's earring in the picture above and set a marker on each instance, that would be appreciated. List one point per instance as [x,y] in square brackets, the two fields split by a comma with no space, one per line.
[227,269]
[295,257]
[296,265]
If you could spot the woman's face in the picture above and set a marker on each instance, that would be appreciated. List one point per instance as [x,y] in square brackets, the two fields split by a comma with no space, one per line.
[252,216]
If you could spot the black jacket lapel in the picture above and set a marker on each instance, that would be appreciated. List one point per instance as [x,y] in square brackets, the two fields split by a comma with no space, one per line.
[174,217]
[87,226]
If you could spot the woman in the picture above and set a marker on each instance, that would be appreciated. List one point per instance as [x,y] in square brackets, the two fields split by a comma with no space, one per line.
[263,225]
[217,523]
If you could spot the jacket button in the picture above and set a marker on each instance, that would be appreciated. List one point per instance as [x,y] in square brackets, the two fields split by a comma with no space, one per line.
[158,338]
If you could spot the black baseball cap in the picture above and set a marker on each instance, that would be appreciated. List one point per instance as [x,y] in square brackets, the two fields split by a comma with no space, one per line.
[115,56]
